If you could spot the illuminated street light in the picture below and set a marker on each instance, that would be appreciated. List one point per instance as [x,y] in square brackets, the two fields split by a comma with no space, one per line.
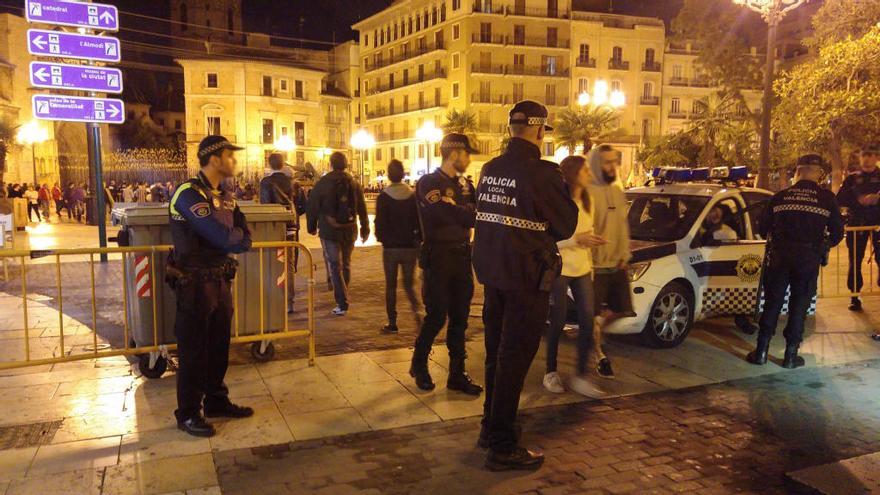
[584,99]
[430,135]
[32,134]
[617,99]
[772,11]
[285,144]
[362,141]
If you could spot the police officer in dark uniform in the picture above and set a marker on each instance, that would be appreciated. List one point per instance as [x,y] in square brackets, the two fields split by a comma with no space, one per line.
[206,227]
[523,209]
[801,224]
[445,201]
[858,197]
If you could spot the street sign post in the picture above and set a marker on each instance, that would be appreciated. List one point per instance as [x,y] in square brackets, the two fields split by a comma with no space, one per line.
[76,77]
[78,109]
[70,45]
[77,14]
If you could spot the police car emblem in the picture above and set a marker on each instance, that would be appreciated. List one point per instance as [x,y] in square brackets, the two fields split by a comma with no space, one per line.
[748,268]
[200,210]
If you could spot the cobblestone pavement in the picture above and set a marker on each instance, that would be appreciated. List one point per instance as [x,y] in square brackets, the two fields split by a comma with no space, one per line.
[737,437]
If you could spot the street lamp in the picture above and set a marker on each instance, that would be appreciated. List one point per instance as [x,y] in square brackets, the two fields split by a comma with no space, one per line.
[772,11]
[323,153]
[430,135]
[362,141]
[602,96]
[32,134]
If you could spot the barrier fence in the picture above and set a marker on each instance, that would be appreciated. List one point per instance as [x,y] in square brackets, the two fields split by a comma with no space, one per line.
[142,263]
[834,279]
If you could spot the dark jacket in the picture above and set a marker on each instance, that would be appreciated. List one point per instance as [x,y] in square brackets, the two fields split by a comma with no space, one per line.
[442,221]
[800,215]
[523,209]
[855,185]
[321,209]
[277,188]
[397,219]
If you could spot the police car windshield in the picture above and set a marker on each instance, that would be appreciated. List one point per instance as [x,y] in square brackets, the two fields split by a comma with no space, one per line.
[662,217]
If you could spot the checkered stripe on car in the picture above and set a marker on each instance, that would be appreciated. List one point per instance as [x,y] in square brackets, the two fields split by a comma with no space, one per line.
[737,300]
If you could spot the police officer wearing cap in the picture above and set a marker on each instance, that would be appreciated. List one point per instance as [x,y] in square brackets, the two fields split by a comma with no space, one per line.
[523,209]
[206,228]
[858,198]
[445,201]
[801,224]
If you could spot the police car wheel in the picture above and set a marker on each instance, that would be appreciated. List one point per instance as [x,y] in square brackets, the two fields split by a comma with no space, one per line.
[671,317]
[262,357]
[155,372]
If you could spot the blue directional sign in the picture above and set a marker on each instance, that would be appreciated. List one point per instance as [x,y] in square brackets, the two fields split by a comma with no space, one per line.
[80,14]
[78,109]
[71,45]
[76,77]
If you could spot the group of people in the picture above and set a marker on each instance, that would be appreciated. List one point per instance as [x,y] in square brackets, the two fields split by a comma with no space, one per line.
[42,200]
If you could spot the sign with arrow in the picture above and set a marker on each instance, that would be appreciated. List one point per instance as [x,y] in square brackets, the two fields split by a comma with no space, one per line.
[76,77]
[78,109]
[70,45]
[97,16]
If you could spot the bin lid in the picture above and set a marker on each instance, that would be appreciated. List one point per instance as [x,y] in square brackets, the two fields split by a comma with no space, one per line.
[256,212]
[157,214]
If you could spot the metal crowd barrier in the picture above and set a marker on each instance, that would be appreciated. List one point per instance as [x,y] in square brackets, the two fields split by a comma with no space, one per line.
[833,278]
[126,253]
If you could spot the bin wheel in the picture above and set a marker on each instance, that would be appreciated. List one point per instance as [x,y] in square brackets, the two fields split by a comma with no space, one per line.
[155,372]
[262,357]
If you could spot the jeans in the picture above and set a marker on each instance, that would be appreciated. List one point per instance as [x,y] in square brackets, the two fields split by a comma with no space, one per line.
[405,258]
[584,297]
[337,253]
[796,269]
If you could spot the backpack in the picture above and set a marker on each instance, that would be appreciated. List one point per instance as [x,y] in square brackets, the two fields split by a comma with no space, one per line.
[345,205]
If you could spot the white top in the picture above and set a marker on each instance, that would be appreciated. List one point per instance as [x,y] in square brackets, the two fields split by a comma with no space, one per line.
[577,260]
[32,196]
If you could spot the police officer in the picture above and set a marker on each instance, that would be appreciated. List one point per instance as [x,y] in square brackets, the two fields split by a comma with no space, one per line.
[206,227]
[858,197]
[445,201]
[800,224]
[523,209]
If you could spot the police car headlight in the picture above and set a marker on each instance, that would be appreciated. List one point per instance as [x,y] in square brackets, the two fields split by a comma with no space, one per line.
[636,270]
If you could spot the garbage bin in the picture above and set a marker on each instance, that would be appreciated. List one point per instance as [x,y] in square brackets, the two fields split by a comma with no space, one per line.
[147,225]
[19,213]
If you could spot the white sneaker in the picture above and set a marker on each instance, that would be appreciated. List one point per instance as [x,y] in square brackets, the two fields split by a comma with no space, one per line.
[337,311]
[553,383]
[585,387]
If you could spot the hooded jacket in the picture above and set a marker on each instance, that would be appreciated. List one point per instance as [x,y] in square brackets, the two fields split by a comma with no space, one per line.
[397,220]
[609,217]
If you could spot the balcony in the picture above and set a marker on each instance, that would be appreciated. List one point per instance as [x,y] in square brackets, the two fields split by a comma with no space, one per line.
[509,99]
[334,120]
[492,99]
[701,82]
[649,100]
[386,112]
[406,55]
[487,39]
[615,64]
[589,63]
[537,42]
[651,66]
[678,115]
[543,71]
[441,74]
[479,68]
[482,7]
[678,81]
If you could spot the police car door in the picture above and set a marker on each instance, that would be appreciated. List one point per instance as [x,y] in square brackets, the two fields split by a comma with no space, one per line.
[731,264]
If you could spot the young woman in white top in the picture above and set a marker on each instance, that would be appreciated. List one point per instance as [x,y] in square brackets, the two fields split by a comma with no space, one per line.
[577,274]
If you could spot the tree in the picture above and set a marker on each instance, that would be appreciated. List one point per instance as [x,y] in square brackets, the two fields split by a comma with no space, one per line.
[832,103]
[721,125]
[7,140]
[584,125]
[839,19]
[673,150]
[461,122]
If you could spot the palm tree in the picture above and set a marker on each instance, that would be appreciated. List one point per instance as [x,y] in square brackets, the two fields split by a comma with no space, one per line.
[7,140]
[720,121]
[462,122]
[583,126]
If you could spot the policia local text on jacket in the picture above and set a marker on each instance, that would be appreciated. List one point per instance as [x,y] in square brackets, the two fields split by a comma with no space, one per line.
[523,209]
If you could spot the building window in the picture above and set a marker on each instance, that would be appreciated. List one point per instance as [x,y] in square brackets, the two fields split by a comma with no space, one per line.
[548,65]
[212,125]
[646,127]
[212,80]
[298,89]
[406,152]
[584,53]
[518,92]
[366,40]
[375,38]
[550,94]
[552,36]
[230,21]
[395,30]
[519,61]
[178,125]
[648,91]
[456,31]
[436,97]
[456,4]
[392,153]
[519,34]
[455,90]
[267,85]
[676,72]
[443,12]
[378,154]
[421,151]
[406,103]
[284,130]
[455,61]
[583,85]
[299,133]
[485,32]
[649,56]
[283,85]
[675,107]
[617,54]
[184,17]
[695,107]
[434,16]
[616,85]
[418,23]
[268,131]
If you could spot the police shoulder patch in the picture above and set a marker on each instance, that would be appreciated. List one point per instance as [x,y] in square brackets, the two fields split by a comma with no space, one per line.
[432,196]
[200,210]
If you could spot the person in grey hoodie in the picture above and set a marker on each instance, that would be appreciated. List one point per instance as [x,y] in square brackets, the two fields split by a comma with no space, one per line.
[610,260]
[397,228]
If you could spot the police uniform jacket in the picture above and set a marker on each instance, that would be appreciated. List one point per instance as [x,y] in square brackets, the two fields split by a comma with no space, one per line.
[801,214]
[523,209]
[206,225]
[442,221]
[859,184]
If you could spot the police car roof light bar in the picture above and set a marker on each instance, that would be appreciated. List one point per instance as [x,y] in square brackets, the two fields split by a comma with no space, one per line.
[700,174]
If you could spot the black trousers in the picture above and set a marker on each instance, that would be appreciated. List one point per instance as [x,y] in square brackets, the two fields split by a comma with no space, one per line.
[514,322]
[856,243]
[793,268]
[447,289]
[202,326]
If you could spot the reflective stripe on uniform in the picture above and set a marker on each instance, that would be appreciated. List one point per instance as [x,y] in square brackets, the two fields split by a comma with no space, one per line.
[186,185]
[512,221]
[802,208]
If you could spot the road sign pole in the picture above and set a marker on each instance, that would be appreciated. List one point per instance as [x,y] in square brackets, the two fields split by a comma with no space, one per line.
[94,138]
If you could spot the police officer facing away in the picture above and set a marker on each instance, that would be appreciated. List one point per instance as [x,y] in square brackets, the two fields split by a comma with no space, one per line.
[206,227]
[858,198]
[523,209]
[800,224]
[445,201]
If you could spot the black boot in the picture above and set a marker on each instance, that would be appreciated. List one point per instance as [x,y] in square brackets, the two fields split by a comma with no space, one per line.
[519,459]
[759,355]
[459,379]
[855,304]
[419,370]
[792,360]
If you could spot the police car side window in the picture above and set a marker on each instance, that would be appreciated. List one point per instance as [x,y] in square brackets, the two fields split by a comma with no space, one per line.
[756,203]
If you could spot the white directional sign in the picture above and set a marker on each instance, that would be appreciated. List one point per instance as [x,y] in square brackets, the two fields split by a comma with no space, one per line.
[71,45]
[79,14]
[78,109]
[76,77]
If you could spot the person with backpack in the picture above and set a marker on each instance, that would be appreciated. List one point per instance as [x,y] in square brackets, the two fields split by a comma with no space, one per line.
[336,204]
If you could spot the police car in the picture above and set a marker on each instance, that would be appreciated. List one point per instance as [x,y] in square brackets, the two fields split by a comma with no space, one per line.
[697,251]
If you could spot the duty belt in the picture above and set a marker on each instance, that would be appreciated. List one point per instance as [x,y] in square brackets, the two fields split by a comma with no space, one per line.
[519,223]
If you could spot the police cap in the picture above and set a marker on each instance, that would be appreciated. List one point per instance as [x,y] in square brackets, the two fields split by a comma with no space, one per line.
[529,112]
[811,160]
[871,148]
[456,141]
[212,145]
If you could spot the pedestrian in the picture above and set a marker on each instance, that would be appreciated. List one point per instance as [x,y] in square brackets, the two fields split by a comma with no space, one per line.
[610,260]
[78,196]
[523,209]
[206,227]
[33,199]
[446,205]
[140,194]
[112,190]
[45,196]
[577,276]
[801,224]
[277,188]
[69,202]
[128,193]
[58,198]
[397,228]
[858,199]
[336,204]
